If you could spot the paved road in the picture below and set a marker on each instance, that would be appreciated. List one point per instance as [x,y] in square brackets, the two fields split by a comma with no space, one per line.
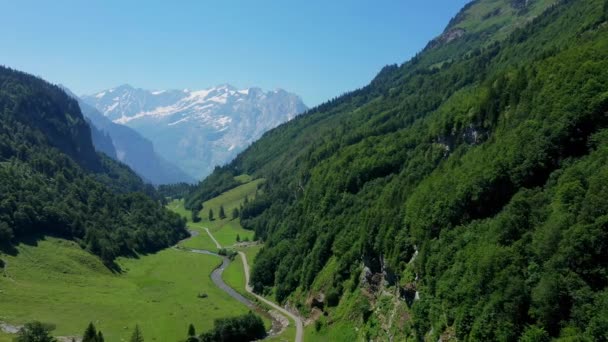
[216,276]
[299,324]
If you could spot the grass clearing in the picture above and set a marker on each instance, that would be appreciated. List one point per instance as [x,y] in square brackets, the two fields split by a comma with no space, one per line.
[57,282]
[230,199]
[235,277]
[224,230]
[4,337]
[227,233]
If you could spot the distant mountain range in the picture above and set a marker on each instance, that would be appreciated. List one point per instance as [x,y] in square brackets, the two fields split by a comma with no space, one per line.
[197,130]
[126,145]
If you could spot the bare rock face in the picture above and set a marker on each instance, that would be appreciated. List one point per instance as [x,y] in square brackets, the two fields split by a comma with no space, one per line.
[366,276]
[319,301]
[197,130]
[447,37]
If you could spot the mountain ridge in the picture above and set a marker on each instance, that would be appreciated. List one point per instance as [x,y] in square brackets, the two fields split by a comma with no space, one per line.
[198,129]
[129,147]
[55,183]
[456,197]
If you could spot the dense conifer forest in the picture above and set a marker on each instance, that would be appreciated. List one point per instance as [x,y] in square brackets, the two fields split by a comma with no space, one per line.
[54,183]
[473,179]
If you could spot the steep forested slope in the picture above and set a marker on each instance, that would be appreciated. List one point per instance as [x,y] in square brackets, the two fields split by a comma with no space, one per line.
[134,150]
[53,182]
[471,181]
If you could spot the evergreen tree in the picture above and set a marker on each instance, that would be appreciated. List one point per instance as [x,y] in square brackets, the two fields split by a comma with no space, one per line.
[191,330]
[100,337]
[210,214]
[235,213]
[137,335]
[238,238]
[222,213]
[90,334]
[35,332]
[195,216]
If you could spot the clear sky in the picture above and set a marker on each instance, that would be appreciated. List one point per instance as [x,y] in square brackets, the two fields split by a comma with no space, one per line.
[315,48]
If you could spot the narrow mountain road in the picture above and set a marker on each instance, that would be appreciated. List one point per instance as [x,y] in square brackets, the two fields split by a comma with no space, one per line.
[216,276]
[298,320]
[299,324]
[278,323]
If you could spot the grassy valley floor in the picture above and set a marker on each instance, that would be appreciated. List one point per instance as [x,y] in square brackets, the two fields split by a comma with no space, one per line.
[56,282]
[225,231]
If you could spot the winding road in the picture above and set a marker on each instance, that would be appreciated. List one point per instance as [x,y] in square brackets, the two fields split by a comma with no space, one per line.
[216,276]
[298,320]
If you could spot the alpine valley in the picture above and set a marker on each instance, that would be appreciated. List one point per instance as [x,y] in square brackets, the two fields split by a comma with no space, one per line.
[198,130]
[461,195]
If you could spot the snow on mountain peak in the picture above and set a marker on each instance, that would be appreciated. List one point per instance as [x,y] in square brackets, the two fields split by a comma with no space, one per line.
[198,129]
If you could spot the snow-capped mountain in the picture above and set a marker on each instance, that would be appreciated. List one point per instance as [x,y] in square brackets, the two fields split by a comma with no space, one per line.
[198,130]
[124,144]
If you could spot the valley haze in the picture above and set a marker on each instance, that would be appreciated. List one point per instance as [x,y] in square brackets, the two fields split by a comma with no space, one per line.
[198,129]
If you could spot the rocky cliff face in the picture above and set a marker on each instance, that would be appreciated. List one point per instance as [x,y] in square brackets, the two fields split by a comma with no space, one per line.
[198,130]
[124,144]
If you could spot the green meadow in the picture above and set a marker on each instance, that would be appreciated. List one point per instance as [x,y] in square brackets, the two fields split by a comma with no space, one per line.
[54,281]
[224,230]
[57,282]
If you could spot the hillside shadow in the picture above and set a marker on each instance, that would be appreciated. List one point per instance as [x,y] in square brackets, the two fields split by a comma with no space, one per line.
[29,240]
[113,267]
[8,249]
[33,240]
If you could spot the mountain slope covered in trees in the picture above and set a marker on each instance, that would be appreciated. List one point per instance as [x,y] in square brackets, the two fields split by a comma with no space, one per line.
[124,144]
[53,181]
[470,182]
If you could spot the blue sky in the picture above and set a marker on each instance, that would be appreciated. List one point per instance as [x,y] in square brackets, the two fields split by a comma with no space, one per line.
[315,48]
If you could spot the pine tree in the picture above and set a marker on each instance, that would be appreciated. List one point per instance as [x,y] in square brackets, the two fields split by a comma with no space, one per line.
[195,217]
[238,238]
[210,214]
[137,335]
[235,213]
[100,337]
[90,334]
[191,330]
[222,213]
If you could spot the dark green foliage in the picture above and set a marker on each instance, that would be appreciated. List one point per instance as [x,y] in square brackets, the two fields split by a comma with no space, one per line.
[534,334]
[493,166]
[227,252]
[35,332]
[222,213]
[53,182]
[195,216]
[192,334]
[248,327]
[238,238]
[175,191]
[137,336]
[195,213]
[90,334]
[211,218]
[235,213]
